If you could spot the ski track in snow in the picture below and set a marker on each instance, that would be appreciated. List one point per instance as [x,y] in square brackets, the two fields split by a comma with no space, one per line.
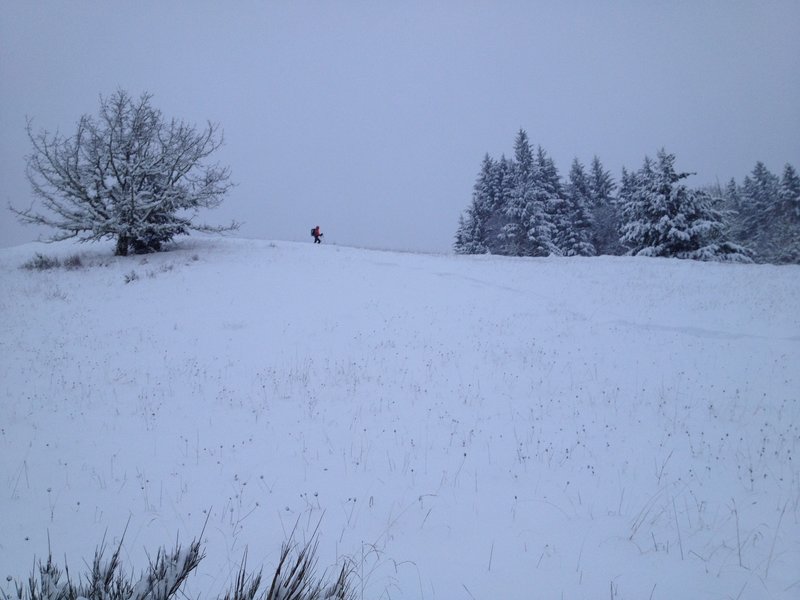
[699,332]
[458,426]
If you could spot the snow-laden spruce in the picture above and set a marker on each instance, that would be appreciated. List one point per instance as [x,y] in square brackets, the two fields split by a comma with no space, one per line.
[521,207]
[128,174]
[663,217]
[765,214]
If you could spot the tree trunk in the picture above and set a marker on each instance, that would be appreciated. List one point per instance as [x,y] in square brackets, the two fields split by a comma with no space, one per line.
[122,246]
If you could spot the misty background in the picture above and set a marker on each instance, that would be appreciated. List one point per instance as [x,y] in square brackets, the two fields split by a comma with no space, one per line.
[371,118]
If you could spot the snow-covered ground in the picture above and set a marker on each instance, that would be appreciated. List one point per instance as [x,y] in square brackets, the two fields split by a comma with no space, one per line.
[460,427]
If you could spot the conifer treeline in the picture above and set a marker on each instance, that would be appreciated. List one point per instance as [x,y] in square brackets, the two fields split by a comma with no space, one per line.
[522,207]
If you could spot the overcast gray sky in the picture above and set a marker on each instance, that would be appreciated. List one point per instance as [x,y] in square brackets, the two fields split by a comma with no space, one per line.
[371,118]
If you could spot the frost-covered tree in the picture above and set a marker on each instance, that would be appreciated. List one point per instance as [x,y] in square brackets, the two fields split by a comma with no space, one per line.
[528,228]
[627,184]
[480,226]
[767,214]
[663,217]
[728,201]
[732,200]
[502,192]
[626,197]
[513,233]
[757,200]
[576,237]
[605,231]
[550,192]
[128,174]
[471,236]
[787,221]
[790,191]
[463,234]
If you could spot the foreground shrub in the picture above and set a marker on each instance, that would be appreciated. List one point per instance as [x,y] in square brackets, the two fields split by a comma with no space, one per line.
[73,262]
[295,578]
[40,262]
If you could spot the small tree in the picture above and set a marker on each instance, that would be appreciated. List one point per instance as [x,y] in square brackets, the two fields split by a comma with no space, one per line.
[128,175]
[472,233]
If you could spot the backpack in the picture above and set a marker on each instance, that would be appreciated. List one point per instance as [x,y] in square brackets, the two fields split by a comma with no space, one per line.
[313,229]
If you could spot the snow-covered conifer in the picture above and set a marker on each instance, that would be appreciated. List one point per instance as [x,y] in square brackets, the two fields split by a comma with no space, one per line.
[462,236]
[471,236]
[663,217]
[731,203]
[512,233]
[502,191]
[576,237]
[790,190]
[764,219]
[551,192]
[605,231]
[787,220]
[528,230]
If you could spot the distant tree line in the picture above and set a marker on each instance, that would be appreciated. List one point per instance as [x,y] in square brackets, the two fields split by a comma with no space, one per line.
[522,207]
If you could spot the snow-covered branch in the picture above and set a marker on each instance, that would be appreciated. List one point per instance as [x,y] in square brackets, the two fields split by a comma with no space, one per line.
[125,175]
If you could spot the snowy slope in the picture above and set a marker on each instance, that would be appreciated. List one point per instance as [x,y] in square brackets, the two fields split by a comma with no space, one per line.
[461,427]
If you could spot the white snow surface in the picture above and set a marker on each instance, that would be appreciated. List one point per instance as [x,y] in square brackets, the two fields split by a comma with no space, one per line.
[459,427]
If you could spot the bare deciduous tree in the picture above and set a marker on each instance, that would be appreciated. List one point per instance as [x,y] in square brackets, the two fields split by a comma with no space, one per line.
[127,174]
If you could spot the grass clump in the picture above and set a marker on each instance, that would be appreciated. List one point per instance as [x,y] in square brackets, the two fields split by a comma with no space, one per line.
[41,262]
[295,578]
[73,262]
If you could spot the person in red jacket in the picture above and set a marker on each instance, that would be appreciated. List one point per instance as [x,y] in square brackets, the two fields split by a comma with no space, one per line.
[317,234]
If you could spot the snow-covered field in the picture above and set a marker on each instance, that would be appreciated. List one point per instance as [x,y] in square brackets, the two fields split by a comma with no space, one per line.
[460,427]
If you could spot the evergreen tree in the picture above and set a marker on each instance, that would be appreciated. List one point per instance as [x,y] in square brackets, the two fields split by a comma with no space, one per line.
[550,180]
[633,207]
[732,197]
[466,233]
[605,231]
[551,193]
[542,194]
[502,190]
[759,213]
[787,220]
[521,207]
[663,217]
[627,199]
[472,233]
[576,240]
[528,230]
[627,187]
[732,211]
[790,191]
